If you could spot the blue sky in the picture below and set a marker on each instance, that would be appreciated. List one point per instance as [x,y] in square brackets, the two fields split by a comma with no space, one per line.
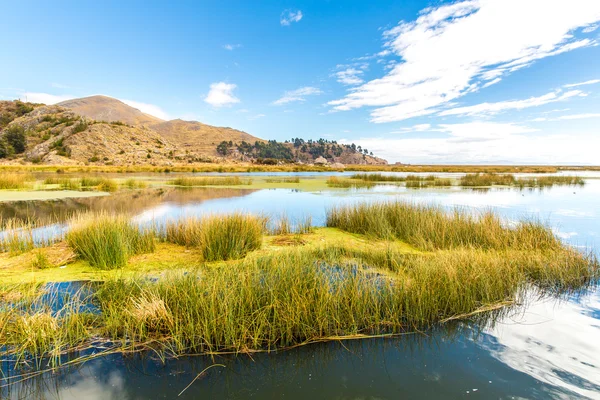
[475,81]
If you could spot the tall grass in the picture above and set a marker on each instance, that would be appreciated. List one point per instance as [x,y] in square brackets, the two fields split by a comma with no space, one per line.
[14,180]
[293,179]
[218,237]
[431,227]
[334,181]
[549,181]
[209,181]
[487,179]
[376,177]
[135,184]
[107,241]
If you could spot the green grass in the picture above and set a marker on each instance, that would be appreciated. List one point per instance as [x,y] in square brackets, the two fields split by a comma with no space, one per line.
[135,184]
[107,241]
[431,227]
[335,182]
[209,181]
[298,296]
[375,177]
[283,180]
[218,237]
[488,179]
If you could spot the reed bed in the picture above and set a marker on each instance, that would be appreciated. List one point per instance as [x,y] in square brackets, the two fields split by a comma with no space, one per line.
[218,237]
[293,179]
[375,177]
[135,184]
[18,236]
[298,296]
[284,226]
[209,181]
[15,180]
[334,181]
[431,227]
[489,179]
[107,241]
[549,181]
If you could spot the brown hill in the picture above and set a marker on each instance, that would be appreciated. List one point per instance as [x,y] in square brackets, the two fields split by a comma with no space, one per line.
[103,108]
[198,138]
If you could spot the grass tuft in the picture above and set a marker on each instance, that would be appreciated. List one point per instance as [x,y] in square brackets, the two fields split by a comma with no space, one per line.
[107,241]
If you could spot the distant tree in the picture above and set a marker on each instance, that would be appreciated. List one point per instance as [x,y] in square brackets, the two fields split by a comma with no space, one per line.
[15,137]
[223,148]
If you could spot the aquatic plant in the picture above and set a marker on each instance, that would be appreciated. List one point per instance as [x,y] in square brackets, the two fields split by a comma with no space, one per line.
[334,181]
[431,227]
[107,241]
[209,181]
[15,180]
[135,184]
[378,177]
[218,237]
[487,179]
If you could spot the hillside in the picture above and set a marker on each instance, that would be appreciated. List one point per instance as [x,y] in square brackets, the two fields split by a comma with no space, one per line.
[198,138]
[99,130]
[103,108]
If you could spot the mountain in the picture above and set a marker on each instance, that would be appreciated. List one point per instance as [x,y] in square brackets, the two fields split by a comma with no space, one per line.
[199,138]
[103,108]
[100,130]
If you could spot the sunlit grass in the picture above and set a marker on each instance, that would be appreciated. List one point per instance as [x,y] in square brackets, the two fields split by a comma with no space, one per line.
[209,181]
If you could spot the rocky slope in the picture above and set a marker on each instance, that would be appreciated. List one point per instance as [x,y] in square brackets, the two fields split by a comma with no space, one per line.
[104,131]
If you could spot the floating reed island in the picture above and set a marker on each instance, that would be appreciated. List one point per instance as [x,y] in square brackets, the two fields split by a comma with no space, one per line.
[223,284]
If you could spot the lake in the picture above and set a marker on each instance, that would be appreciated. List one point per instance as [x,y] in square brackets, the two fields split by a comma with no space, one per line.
[547,349]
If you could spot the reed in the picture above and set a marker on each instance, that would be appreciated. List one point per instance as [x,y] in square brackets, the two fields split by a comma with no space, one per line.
[15,180]
[334,181]
[209,181]
[377,177]
[549,181]
[135,184]
[431,227]
[107,241]
[487,179]
[293,179]
[218,237]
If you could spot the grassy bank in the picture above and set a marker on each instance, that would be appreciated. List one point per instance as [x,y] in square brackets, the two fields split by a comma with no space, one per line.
[220,285]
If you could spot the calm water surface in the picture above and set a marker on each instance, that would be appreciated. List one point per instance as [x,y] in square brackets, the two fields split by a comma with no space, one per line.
[550,349]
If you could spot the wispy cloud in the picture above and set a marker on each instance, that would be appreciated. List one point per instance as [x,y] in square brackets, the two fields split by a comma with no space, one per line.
[590,82]
[414,128]
[59,86]
[147,108]
[257,116]
[488,142]
[45,98]
[231,47]
[289,16]
[579,116]
[349,76]
[297,95]
[221,94]
[457,48]
[494,108]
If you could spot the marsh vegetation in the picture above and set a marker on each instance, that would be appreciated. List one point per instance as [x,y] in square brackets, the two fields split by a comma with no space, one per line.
[378,269]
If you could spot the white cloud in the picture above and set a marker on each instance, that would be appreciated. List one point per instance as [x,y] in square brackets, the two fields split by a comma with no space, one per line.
[257,116]
[231,47]
[147,108]
[579,116]
[483,142]
[456,48]
[590,28]
[414,128]
[45,98]
[349,76]
[297,95]
[590,82]
[494,108]
[221,95]
[289,16]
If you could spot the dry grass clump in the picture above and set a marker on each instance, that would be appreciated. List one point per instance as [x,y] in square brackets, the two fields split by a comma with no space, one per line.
[219,237]
[209,181]
[431,227]
[107,241]
[15,180]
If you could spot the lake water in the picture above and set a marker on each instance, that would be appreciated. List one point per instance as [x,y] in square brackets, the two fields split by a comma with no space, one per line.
[550,349]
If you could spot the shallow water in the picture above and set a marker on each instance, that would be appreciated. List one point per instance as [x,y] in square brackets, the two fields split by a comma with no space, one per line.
[548,350]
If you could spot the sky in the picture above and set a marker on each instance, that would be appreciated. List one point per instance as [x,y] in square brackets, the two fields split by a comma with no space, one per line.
[429,82]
